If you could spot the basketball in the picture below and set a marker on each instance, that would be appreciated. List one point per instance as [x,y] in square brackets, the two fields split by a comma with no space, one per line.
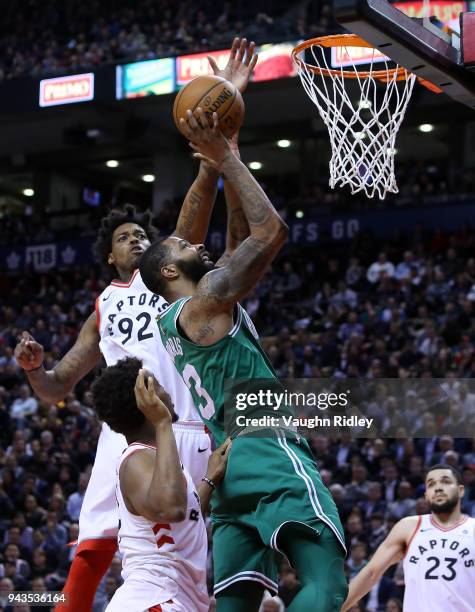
[213,94]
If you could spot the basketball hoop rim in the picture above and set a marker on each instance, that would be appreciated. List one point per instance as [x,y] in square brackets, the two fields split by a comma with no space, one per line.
[345,40]
[353,40]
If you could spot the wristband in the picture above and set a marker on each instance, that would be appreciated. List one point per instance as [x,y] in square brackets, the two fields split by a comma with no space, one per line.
[209,481]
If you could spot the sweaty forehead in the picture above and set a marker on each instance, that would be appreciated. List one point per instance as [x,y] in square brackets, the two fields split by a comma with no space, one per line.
[127,228]
[439,474]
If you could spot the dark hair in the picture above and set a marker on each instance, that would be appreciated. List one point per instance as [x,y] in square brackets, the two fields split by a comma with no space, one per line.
[114,398]
[151,262]
[442,466]
[103,245]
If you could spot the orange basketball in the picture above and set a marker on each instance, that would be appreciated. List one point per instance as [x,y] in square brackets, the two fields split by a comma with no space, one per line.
[214,95]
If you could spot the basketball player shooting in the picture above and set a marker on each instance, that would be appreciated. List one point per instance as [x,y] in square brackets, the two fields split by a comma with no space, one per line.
[272,498]
[121,326]
[162,535]
[438,552]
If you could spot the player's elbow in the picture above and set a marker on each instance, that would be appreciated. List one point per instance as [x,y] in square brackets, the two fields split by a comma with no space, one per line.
[279,232]
[171,507]
[178,514]
[173,514]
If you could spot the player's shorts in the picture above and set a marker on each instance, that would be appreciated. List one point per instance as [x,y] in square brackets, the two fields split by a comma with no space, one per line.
[140,596]
[269,482]
[99,517]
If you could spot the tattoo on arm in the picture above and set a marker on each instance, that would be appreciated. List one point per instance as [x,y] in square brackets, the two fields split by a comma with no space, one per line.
[195,213]
[76,364]
[221,288]
[188,214]
[238,227]
[255,204]
[227,285]
[53,385]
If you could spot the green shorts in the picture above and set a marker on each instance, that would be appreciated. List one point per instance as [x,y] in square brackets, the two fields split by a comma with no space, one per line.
[269,482]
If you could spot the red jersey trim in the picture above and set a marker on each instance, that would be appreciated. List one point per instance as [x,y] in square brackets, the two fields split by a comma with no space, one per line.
[158,607]
[436,524]
[99,544]
[98,315]
[419,521]
[118,283]
[135,450]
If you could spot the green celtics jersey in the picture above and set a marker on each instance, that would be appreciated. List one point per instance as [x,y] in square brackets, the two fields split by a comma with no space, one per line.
[204,369]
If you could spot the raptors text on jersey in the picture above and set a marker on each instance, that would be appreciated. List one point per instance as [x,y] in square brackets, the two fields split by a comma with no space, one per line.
[439,567]
[126,319]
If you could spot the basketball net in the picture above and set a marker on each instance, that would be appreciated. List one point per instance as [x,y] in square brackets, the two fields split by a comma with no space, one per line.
[362,128]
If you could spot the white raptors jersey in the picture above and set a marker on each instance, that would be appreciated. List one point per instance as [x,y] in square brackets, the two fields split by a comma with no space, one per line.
[439,567]
[167,557]
[126,314]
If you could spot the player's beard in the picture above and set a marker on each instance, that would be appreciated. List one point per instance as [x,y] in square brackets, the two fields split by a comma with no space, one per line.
[194,269]
[446,506]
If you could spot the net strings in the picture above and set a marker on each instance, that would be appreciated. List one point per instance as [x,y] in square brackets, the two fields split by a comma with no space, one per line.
[362,137]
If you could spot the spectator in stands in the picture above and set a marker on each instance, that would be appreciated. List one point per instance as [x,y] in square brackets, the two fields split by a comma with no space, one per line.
[354,273]
[6,587]
[404,504]
[373,502]
[24,405]
[380,269]
[75,499]
[357,561]
[11,554]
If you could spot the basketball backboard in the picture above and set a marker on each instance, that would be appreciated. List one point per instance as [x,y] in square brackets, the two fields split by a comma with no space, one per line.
[423,36]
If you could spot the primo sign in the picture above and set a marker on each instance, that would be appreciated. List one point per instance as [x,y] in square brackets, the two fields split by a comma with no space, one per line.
[67,90]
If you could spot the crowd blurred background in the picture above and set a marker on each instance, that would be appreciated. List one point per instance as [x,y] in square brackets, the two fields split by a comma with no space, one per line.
[422,185]
[402,308]
[50,38]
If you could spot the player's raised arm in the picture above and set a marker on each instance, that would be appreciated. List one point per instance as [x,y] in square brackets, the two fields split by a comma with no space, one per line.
[195,214]
[388,553]
[237,227]
[53,385]
[238,70]
[220,289]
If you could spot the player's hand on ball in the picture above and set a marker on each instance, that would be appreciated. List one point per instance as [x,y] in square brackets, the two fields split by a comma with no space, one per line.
[206,140]
[241,63]
[218,461]
[148,400]
[29,353]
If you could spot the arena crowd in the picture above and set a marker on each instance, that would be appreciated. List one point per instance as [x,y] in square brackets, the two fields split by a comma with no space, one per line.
[51,38]
[399,309]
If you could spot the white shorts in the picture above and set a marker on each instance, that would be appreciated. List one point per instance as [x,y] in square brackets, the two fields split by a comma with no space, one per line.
[99,516]
[140,596]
